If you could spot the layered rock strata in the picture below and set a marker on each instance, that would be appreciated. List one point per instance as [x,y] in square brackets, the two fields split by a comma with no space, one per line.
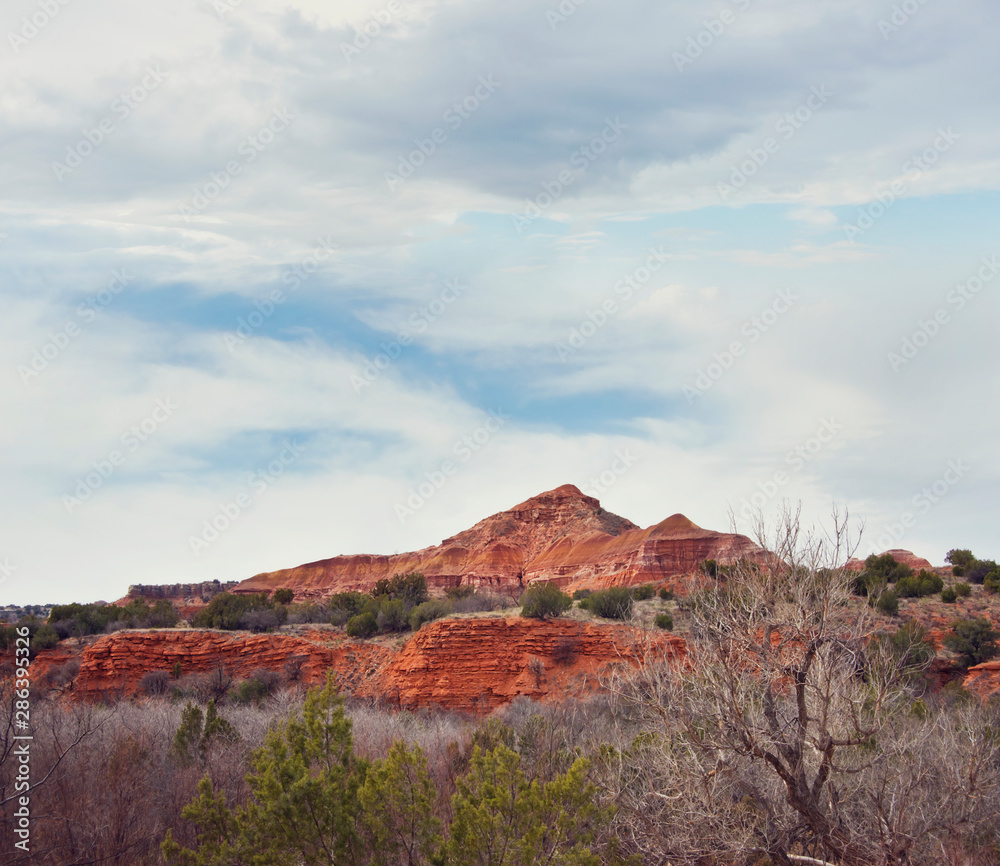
[561,536]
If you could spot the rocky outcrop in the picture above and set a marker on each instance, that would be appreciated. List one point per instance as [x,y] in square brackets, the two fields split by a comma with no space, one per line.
[113,665]
[480,664]
[562,536]
[984,680]
[190,593]
[471,664]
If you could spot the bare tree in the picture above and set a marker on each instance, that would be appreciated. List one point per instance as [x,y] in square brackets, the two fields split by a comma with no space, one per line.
[770,735]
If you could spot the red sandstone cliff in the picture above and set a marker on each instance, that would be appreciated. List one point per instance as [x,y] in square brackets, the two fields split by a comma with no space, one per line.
[561,535]
[473,664]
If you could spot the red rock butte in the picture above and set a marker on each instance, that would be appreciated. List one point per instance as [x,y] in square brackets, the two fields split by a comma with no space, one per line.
[562,536]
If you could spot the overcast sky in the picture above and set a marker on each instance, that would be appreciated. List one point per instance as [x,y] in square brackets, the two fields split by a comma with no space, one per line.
[285,279]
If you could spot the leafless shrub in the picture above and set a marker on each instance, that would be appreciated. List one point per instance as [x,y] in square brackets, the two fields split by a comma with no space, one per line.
[217,682]
[481,601]
[537,668]
[154,683]
[293,667]
[61,676]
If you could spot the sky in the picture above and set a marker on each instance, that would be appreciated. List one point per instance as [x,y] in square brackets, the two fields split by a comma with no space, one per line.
[287,279]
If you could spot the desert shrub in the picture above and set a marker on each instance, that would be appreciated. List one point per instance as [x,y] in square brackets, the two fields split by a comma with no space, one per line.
[429,611]
[710,567]
[77,620]
[391,615]
[283,596]
[643,592]
[228,611]
[8,636]
[948,595]
[161,615]
[154,683]
[581,594]
[981,569]
[542,600]
[410,588]
[44,638]
[919,585]
[963,590]
[879,571]
[565,649]
[261,620]
[362,625]
[457,592]
[960,561]
[481,601]
[992,583]
[666,594]
[886,602]
[352,602]
[308,611]
[664,621]
[270,678]
[251,691]
[612,603]
[975,640]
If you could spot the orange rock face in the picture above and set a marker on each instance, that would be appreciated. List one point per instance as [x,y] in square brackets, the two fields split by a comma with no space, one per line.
[561,536]
[114,664]
[984,680]
[474,664]
[480,664]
